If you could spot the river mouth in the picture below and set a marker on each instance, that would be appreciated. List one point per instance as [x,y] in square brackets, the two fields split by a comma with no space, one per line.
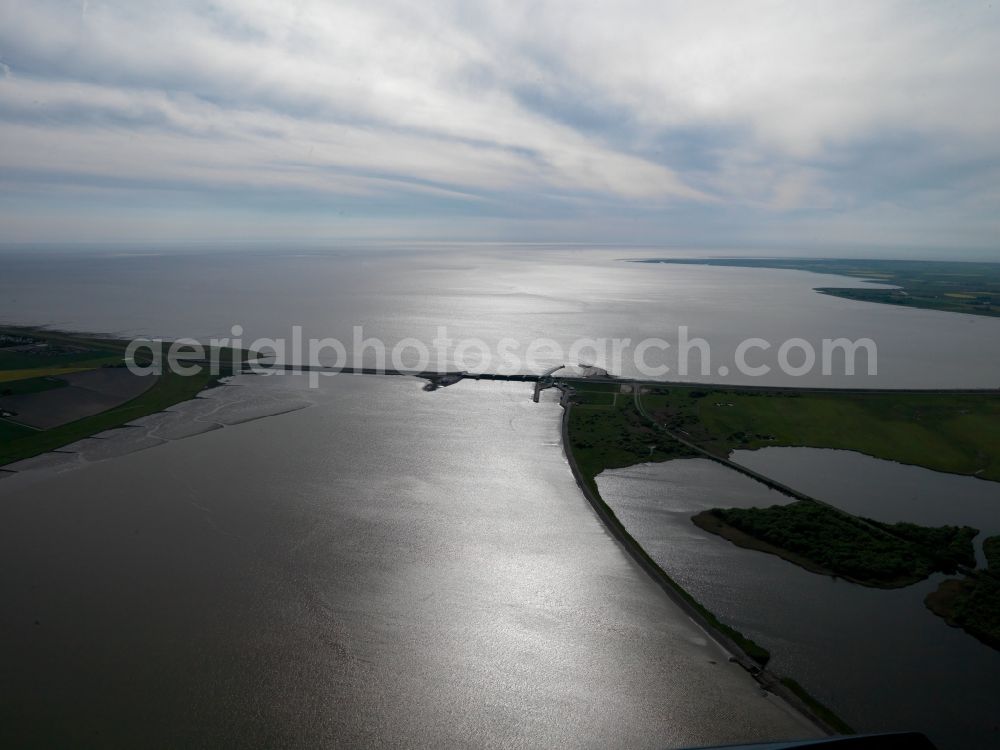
[386,566]
[878,658]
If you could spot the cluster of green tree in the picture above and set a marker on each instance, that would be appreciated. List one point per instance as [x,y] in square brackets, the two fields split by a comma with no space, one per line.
[950,545]
[856,548]
[973,603]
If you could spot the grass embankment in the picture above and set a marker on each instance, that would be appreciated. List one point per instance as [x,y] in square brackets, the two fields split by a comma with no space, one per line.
[956,433]
[830,542]
[64,353]
[606,432]
[973,602]
[825,714]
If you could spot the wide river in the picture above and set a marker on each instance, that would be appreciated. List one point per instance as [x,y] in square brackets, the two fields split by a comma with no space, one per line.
[371,563]
[384,567]
[879,658]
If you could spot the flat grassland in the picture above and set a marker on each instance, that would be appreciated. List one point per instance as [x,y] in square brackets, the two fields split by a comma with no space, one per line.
[608,433]
[956,433]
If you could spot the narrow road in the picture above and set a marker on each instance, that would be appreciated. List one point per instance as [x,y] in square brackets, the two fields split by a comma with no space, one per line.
[762,478]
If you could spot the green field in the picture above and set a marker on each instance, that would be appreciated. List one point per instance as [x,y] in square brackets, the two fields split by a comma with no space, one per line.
[11,431]
[957,433]
[607,432]
[950,286]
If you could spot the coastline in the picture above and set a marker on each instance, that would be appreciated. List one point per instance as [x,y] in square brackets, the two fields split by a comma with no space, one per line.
[167,389]
[785,689]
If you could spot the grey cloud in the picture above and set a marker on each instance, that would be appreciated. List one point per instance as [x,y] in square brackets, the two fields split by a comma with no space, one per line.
[738,117]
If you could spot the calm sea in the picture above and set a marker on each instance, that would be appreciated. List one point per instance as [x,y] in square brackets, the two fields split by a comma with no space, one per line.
[371,563]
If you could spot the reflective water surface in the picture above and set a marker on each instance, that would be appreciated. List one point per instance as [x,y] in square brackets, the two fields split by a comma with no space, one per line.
[880,658]
[490,293]
[372,563]
[384,567]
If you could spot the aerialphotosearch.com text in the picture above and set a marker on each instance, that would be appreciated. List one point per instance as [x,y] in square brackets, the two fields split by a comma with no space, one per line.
[681,354]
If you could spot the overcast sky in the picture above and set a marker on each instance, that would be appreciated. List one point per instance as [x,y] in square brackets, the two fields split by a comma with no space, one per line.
[697,123]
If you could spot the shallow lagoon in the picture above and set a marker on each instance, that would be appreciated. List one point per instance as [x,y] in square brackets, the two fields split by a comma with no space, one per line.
[879,658]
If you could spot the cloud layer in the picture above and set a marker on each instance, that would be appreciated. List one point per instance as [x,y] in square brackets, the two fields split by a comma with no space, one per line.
[798,122]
